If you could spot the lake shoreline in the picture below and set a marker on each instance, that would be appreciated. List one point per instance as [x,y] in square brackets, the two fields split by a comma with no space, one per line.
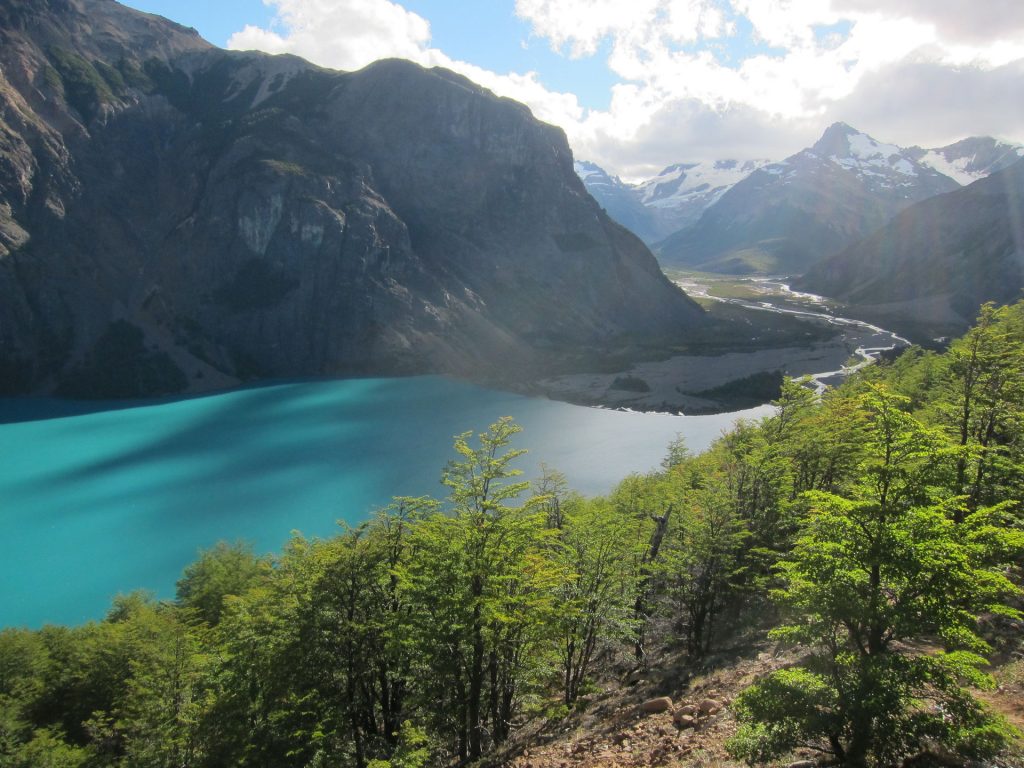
[695,384]
[679,384]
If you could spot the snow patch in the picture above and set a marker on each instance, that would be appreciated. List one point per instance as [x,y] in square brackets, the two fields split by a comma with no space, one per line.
[873,158]
[956,169]
[586,170]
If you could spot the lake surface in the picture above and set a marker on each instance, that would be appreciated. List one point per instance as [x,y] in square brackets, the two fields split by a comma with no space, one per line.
[101,499]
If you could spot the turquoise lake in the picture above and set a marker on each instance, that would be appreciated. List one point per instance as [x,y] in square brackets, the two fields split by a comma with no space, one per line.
[99,499]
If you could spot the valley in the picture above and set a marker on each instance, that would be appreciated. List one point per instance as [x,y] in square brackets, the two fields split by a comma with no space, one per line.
[792,334]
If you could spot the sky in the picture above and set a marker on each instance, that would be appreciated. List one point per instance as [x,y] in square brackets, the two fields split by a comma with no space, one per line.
[638,85]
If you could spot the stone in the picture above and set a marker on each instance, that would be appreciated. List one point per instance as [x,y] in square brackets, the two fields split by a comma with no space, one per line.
[710,706]
[684,721]
[659,704]
[634,677]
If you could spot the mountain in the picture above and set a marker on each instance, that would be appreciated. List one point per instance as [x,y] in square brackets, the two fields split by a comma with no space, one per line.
[927,271]
[672,200]
[785,216]
[970,159]
[174,216]
[682,192]
[620,200]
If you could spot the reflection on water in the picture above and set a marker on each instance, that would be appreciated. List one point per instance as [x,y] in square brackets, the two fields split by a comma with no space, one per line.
[100,500]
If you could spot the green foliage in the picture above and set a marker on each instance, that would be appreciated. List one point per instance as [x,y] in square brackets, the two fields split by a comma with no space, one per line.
[870,574]
[225,570]
[483,589]
[84,87]
[792,706]
[703,562]
[412,750]
[597,551]
[746,392]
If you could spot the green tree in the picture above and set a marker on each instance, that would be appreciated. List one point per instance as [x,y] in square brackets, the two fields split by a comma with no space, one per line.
[597,549]
[703,564]
[982,405]
[870,580]
[481,587]
[226,569]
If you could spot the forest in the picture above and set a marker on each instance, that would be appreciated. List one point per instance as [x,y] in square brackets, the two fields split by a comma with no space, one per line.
[876,528]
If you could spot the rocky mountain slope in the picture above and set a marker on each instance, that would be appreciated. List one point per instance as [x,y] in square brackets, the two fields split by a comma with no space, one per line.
[927,272]
[682,192]
[785,216]
[620,200]
[174,216]
[672,200]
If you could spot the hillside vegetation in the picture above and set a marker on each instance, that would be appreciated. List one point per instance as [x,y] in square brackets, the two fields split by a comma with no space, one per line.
[872,528]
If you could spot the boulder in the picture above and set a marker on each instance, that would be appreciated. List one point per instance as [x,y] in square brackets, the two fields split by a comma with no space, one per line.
[659,704]
[710,706]
[684,721]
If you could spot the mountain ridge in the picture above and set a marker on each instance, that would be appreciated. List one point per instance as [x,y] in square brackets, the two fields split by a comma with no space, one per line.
[784,216]
[664,204]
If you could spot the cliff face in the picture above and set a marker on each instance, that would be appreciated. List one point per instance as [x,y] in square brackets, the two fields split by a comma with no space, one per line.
[174,216]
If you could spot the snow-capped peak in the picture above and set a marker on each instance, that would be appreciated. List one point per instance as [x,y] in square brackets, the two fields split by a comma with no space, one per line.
[585,169]
[868,155]
[673,199]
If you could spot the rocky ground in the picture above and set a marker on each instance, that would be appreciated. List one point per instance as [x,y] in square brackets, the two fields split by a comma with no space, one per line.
[657,718]
[665,717]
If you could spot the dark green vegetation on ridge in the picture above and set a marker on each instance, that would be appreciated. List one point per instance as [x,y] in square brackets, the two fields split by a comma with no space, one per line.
[244,216]
[872,527]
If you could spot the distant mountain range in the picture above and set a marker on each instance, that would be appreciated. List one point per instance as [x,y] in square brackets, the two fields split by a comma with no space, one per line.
[733,217]
[971,159]
[889,231]
[672,200]
[174,216]
[929,269]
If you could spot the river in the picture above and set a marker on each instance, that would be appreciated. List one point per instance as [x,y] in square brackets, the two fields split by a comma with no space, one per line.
[773,294]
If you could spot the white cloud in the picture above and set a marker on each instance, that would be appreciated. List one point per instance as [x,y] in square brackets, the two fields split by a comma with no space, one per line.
[927,103]
[344,34]
[694,86]
[977,22]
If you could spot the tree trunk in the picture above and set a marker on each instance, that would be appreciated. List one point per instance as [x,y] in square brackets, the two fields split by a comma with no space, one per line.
[476,673]
[640,607]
